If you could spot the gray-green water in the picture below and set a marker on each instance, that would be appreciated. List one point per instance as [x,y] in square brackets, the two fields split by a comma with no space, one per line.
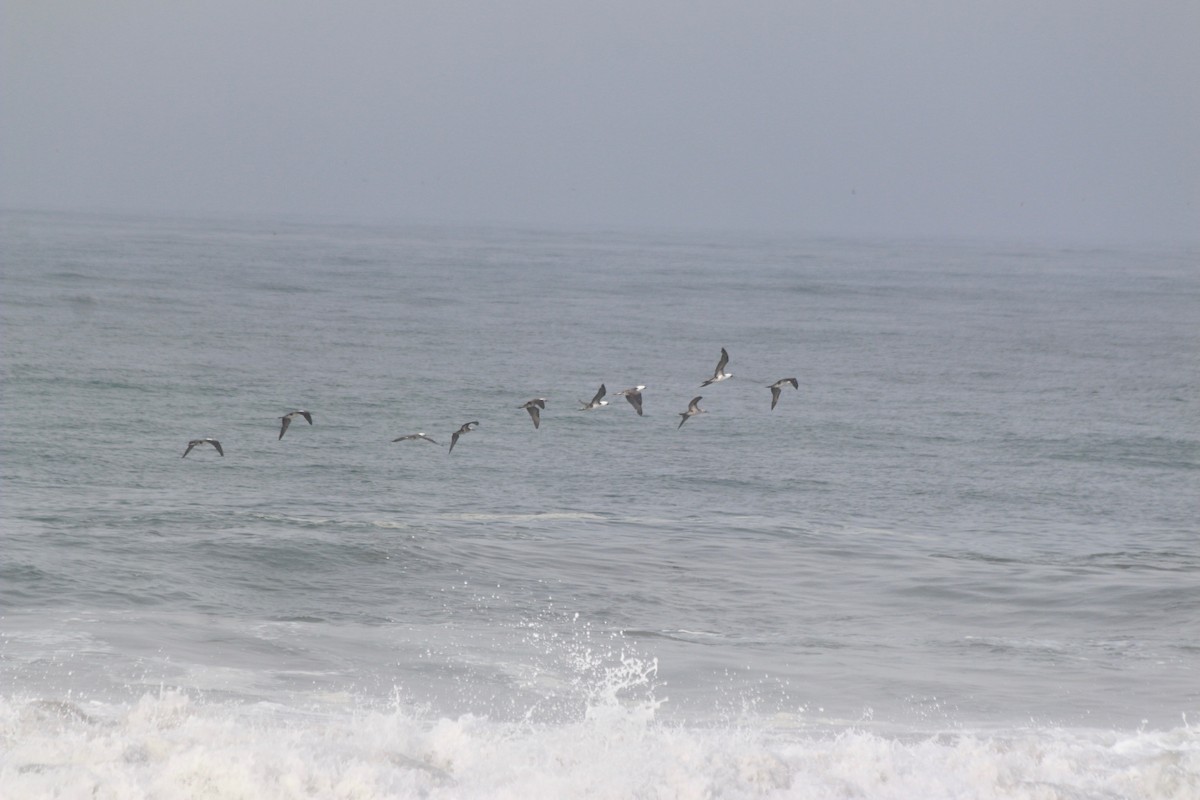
[976,520]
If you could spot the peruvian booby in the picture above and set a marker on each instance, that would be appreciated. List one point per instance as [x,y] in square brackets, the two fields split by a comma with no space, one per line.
[719,374]
[597,402]
[466,428]
[414,436]
[198,442]
[634,396]
[777,387]
[287,420]
[693,409]
[532,407]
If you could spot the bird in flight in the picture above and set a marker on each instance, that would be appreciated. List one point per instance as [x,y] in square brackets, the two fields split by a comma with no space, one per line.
[634,396]
[596,401]
[719,374]
[198,442]
[693,409]
[287,420]
[777,387]
[413,436]
[466,428]
[532,407]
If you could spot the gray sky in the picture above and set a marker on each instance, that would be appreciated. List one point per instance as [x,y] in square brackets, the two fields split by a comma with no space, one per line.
[1058,119]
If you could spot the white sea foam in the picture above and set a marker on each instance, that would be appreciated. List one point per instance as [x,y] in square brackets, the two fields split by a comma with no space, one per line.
[171,745]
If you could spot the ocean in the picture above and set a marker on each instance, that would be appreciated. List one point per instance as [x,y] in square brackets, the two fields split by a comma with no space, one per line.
[960,560]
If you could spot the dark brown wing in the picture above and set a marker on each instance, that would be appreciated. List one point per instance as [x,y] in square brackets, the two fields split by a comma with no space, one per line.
[635,400]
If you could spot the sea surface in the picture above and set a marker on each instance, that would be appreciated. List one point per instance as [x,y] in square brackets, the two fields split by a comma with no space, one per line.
[961,560]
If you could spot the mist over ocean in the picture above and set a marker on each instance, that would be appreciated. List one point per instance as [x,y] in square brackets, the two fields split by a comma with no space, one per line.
[961,560]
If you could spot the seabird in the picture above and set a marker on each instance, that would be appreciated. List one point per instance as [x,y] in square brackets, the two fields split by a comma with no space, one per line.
[596,401]
[777,387]
[532,407]
[414,436]
[287,420]
[719,374]
[197,442]
[634,396]
[693,409]
[466,428]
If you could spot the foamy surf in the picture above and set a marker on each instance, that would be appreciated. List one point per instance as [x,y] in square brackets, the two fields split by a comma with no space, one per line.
[176,745]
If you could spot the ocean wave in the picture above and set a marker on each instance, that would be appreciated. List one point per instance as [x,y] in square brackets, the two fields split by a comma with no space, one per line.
[170,744]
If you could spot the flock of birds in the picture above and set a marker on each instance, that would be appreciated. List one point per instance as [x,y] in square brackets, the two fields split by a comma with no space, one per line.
[537,404]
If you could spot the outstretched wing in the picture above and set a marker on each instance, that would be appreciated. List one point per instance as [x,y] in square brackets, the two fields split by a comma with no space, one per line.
[600,394]
[287,420]
[217,445]
[635,400]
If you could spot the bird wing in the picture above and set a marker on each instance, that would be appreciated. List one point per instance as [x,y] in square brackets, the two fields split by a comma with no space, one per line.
[599,394]
[535,415]
[454,439]
[217,445]
[775,390]
[287,420]
[635,400]
[694,406]
[189,449]
[721,364]
[307,416]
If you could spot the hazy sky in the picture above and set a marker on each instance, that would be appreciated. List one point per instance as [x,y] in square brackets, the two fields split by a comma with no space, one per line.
[1062,119]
